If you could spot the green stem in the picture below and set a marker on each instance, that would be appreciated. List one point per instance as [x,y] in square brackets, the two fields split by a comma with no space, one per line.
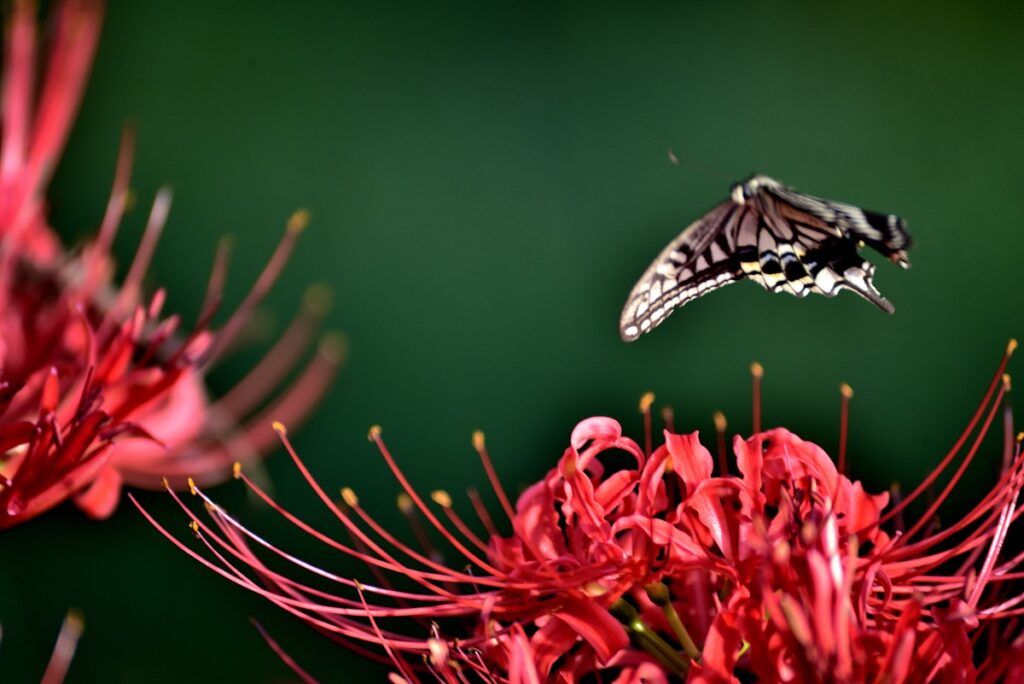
[647,639]
[659,595]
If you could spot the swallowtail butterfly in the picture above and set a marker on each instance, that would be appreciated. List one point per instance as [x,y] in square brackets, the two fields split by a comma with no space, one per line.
[781,239]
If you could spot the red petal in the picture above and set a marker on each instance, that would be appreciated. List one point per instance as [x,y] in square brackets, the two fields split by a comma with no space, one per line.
[100,499]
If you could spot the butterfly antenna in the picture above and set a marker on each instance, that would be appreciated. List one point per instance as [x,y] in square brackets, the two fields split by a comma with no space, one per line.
[674,158]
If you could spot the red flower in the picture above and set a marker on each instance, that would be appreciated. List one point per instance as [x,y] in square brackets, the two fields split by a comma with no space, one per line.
[97,387]
[659,569]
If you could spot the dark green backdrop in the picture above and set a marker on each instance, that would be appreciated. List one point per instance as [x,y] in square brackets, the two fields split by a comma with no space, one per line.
[486,184]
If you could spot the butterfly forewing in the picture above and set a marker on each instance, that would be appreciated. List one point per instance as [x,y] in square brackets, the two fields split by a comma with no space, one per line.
[699,260]
[781,239]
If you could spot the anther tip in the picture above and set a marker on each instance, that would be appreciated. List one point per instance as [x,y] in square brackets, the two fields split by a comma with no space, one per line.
[1020,436]
[192,486]
[478,440]
[318,298]
[236,470]
[373,433]
[1011,346]
[645,402]
[279,428]
[1007,385]
[720,422]
[757,370]
[349,496]
[298,221]
[441,498]
[166,483]
[334,346]
[74,621]
[404,503]
[194,526]
[846,391]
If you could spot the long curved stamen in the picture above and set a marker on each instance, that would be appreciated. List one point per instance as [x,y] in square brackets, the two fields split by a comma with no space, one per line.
[845,394]
[958,445]
[130,289]
[427,513]
[283,655]
[64,649]
[723,454]
[481,512]
[269,372]
[227,334]
[931,510]
[645,410]
[480,444]
[756,373]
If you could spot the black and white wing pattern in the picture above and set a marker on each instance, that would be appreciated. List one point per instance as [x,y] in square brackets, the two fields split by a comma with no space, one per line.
[781,239]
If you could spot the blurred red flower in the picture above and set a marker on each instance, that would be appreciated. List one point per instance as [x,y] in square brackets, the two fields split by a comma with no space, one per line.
[640,565]
[97,386]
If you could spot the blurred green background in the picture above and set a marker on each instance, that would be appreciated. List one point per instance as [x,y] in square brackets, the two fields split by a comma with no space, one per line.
[487,182]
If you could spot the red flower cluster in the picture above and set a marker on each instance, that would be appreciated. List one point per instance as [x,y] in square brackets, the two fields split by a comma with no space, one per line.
[783,570]
[97,386]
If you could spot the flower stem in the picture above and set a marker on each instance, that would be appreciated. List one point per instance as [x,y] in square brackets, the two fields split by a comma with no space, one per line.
[648,640]
[659,594]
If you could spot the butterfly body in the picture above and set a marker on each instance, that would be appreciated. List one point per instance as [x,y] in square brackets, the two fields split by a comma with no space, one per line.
[781,239]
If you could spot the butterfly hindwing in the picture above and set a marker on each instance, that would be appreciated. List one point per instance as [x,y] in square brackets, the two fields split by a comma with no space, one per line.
[781,239]
[827,236]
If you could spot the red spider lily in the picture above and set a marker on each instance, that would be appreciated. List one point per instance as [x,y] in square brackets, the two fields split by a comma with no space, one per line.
[97,388]
[660,570]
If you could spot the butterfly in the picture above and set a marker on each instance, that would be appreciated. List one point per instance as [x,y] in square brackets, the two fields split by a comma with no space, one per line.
[781,239]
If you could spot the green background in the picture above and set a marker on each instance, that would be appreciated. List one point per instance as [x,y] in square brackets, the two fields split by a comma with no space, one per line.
[486,183]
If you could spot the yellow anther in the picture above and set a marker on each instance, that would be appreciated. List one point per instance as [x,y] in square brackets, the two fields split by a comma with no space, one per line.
[438,652]
[349,496]
[192,487]
[478,440]
[846,391]
[298,221]
[441,498]
[236,470]
[1011,346]
[318,298]
[720,422]
[279,428]
[334,346]
[645,402]
[74,622]
[1006,382]
[404,503]
[756,369]
[374,433]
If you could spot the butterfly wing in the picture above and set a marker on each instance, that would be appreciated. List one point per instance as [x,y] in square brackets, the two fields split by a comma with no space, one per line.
[699,260]
[781,239]
[885,233]
[808,244]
